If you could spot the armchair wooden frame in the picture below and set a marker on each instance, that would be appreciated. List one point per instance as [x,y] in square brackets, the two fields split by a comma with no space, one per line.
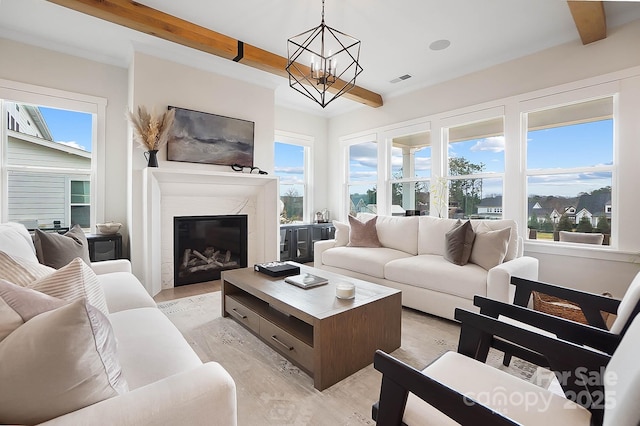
[477,331]
[595,334]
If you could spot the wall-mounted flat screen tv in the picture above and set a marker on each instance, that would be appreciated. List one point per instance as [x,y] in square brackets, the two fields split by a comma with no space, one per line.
[200,137]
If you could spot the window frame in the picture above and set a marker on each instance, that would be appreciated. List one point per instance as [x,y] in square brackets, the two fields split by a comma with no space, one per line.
[307,143]
[556,100]
[388,138]
[38,95]
[473,117]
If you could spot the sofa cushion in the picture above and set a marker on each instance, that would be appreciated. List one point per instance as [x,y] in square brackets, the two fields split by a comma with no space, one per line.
[431,234]
[490,247]
[363,234]
[396,232]
[435,273]
[458,243]
[369,261]
[495,225]
[21,271]
[15,239]
[123,291]
[57,250]
[342,233]
[58,362]
[150,347]
[19,304]
[71,282]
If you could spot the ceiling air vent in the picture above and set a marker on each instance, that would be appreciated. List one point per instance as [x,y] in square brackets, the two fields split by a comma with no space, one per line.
[399,79]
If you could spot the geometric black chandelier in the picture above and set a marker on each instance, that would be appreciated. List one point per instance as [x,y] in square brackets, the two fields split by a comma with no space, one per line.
[333,57]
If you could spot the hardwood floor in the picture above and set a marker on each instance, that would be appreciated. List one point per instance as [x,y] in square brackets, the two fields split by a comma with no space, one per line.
[187,290]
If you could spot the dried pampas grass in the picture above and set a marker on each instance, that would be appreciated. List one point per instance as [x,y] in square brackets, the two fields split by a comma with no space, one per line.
[151,131]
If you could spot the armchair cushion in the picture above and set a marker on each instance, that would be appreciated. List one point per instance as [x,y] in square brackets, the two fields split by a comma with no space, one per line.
[628,306]
[522,401]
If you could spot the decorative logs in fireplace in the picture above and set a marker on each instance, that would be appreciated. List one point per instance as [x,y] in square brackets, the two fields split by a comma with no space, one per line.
[210,258]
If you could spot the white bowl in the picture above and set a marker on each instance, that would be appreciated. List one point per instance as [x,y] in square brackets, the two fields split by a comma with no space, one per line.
[108,228]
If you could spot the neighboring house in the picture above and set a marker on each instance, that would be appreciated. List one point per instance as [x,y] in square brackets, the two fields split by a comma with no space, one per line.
[47,181]
[593,206]
[490,208]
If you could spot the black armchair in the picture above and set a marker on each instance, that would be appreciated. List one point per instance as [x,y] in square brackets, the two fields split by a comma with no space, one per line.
[463,389]
[594,334]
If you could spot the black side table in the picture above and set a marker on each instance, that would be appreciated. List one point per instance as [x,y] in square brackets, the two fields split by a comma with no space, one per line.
[104,247]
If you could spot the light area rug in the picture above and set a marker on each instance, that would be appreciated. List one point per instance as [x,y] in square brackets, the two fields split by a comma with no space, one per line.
[273,391]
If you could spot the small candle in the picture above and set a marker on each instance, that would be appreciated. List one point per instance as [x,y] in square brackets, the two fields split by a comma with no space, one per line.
[345,290]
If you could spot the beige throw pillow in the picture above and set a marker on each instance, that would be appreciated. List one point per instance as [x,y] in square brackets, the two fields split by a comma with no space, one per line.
[459,242]
[19,304]
[21,271]
[342,233]
[58,362]
[71,282]
[363,234]
[490,247]
[57,250]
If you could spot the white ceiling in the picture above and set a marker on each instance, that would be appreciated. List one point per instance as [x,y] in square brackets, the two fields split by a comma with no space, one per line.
[395,35]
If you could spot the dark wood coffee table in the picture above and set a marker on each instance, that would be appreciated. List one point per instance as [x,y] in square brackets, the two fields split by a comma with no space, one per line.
[329,338]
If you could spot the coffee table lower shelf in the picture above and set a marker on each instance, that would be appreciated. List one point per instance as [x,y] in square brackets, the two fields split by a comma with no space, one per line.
[328,344]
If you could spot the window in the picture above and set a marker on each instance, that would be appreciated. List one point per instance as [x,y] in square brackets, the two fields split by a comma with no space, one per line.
[291,167]
[475,169]
[81,203]
[48,166]
[410,173]
[570,168]
[362,177]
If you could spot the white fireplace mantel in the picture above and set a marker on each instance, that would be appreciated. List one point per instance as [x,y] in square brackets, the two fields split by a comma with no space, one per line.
[167,193]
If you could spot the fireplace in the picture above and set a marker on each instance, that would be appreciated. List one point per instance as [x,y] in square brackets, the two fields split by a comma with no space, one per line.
[204,246]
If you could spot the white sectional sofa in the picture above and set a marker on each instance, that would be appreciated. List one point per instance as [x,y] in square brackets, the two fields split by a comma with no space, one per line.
[412,260]
[167,382]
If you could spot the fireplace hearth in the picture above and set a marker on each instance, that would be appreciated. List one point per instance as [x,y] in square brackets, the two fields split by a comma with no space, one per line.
[204,246]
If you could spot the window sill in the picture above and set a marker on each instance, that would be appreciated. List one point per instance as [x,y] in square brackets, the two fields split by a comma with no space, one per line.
[581,250]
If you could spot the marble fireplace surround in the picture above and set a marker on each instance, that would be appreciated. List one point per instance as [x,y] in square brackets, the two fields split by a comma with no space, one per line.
[182,192]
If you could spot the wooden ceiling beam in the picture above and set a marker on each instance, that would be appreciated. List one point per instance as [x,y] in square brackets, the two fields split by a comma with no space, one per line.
[590,19]
[142,18]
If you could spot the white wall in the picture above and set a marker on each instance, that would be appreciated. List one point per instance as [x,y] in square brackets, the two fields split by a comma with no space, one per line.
[158,83]
[559,65]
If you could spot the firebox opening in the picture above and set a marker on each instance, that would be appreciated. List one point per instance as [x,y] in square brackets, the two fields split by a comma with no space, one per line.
[204,246]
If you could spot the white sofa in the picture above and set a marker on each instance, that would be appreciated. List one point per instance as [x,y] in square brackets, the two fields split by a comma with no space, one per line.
[411,259]
[168,384]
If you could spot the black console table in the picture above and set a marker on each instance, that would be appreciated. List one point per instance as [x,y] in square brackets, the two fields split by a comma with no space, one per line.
[104,246]
[296,240]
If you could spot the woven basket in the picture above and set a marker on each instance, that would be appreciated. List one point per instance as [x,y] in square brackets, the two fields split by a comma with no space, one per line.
[561,308]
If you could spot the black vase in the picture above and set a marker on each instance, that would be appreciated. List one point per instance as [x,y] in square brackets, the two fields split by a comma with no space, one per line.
[152,158]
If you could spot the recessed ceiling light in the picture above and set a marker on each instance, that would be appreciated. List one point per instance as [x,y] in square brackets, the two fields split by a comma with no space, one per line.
[440,44]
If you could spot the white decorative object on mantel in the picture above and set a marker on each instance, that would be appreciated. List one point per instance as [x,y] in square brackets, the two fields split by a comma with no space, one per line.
[170,192]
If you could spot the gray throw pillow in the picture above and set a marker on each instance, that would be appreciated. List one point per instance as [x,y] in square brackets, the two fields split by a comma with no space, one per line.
[458,243]
[57,250]
[363,234]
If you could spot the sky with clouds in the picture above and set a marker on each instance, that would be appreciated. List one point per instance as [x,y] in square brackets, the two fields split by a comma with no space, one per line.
[68,127]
